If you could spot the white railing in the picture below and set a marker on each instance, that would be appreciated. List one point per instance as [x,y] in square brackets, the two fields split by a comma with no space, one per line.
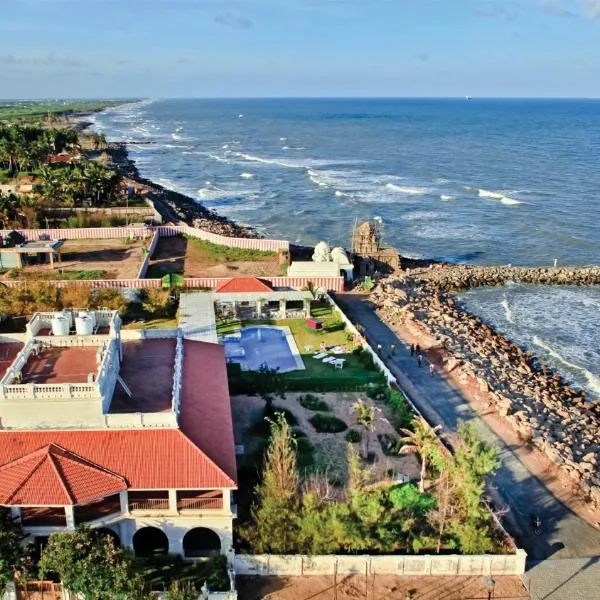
[49,391]
[129,420]
[450,564]
[18,364]
[177,376]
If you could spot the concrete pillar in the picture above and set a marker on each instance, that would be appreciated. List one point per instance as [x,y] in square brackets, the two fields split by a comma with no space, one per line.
[126,531]
[226,500]
[259,309]
[282,309]
[15,513]
[70,513]
[307,308]
[173,501]
[123,500]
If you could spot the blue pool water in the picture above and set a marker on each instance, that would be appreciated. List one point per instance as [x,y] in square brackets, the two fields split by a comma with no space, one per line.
[256,346]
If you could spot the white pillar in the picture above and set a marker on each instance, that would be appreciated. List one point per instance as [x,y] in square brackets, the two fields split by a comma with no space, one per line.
[173,501]
[282,309]
[70,513]
[226,500]
[124,502]
[15,513]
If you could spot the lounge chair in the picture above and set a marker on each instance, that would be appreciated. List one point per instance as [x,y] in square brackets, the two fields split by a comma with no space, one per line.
[329,359]
[338,350]
[320,355]
[338,363]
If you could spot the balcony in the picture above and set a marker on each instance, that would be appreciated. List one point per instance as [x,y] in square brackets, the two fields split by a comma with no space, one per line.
[43,516]
[200,500]
[100,509]
[149,502]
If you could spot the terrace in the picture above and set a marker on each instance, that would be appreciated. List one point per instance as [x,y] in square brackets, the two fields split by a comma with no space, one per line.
[61,365]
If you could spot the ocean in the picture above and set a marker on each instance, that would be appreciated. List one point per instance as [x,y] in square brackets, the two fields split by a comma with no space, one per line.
[481,181]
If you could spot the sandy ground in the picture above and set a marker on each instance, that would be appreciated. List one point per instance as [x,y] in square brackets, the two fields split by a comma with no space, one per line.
[554,478]
[379,587]
[330,448]
[172,255]
[119,259]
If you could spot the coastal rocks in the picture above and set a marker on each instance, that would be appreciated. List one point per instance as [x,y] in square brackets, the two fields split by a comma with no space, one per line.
[540,406]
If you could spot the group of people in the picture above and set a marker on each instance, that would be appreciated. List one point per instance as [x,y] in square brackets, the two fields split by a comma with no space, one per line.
[415,351]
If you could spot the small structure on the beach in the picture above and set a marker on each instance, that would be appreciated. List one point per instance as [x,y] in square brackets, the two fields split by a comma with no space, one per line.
[370,256]
[16,252]
[325,263]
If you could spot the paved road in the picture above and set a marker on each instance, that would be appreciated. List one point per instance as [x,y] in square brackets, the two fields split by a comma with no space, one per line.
[572,579]
[565,535]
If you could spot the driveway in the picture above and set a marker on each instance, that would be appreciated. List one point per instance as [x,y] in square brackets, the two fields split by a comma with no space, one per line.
[564,535]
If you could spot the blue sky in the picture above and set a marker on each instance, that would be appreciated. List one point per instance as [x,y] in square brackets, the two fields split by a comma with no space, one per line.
[233,48]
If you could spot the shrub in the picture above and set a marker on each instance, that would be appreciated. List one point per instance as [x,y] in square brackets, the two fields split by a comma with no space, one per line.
[109,298]
[390,444]
[305,451]
[312,402]
[156,301]
[353,436]
[75,296]
[408,497]
[327,423]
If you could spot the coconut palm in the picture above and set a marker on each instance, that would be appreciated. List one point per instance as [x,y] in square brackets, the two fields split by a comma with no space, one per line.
[422,441]
[365,415]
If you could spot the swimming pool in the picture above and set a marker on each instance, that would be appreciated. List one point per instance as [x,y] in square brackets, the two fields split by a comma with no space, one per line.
[252,347]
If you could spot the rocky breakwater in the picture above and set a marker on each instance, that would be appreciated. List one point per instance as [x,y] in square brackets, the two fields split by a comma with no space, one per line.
[543,409]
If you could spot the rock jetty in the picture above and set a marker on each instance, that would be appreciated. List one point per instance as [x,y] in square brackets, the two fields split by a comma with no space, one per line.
[538,403]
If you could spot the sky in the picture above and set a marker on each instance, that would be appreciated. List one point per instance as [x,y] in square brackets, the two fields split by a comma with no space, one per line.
[298,48]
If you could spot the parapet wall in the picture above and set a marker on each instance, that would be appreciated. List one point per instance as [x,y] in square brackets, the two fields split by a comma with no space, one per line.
[453,564]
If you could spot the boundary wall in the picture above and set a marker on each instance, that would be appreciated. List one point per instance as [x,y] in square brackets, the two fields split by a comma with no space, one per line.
[150,251]
[449,564]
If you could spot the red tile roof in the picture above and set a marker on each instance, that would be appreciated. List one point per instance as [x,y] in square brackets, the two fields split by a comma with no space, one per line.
[53,475]
[244,284]
[205,405]
[201,454]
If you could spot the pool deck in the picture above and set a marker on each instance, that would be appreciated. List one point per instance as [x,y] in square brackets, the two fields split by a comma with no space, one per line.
[197,317]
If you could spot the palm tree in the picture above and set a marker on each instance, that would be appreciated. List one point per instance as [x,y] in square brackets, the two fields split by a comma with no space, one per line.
[365,415]
[422,441]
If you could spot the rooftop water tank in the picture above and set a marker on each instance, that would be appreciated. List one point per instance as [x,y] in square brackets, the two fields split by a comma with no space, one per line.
[84,325]
[60,325]
[90,315]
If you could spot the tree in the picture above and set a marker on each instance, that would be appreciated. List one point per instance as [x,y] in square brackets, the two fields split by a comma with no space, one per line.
[90,564]
[273,529]
[365,415]
[422,441]
[15,558]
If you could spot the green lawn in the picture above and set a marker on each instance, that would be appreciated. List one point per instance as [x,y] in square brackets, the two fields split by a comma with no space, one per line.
[165,323]
[201,250]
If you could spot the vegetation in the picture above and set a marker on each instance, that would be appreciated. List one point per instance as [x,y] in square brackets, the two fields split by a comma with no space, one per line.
[57,275]
[91,565]
[15,558]
[353,436]
[36,111]
[295,514]
[365,416]
[401,412]
[312,402]
[327,423]
[207,251]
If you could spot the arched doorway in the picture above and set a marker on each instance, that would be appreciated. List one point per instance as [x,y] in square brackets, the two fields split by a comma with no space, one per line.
[150,541]
[200,541]
[113,535]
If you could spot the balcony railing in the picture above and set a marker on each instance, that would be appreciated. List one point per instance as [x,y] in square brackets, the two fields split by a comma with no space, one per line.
[200,504]
[97,510]
[149,504]
[43,517]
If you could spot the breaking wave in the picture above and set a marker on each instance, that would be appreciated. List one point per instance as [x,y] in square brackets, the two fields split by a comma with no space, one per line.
[497,196]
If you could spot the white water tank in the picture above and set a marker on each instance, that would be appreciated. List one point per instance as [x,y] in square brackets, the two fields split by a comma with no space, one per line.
[84,325]
[90,315]
[60,325]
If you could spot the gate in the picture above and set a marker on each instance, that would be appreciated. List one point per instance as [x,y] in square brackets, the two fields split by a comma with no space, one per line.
[39,590]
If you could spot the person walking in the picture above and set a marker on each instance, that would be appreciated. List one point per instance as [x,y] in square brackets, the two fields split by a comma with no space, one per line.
[379,349]
[431,369]
[419,360]
[417,349]
[393,349]
[412,349]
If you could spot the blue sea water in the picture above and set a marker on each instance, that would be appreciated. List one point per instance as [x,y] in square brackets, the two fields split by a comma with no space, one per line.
[485,181]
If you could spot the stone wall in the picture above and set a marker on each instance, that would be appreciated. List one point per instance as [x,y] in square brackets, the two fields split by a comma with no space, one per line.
[541,407]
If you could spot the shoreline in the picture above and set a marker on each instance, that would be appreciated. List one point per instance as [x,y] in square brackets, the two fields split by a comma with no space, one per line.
[536,409]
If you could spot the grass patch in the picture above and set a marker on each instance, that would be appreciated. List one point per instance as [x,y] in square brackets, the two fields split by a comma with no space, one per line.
[312,402]
[327,423]
[202,250]
[165,323]
[61,275]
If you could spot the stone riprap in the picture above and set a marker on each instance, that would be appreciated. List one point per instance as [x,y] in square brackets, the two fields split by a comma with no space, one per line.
[538,403]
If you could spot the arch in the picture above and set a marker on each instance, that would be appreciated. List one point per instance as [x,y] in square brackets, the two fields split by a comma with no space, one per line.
[150,541]
[113,535]
[200,541]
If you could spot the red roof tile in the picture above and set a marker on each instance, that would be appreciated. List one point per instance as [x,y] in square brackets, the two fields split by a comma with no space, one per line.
[244,284]
[205,405]
[53,475]
[201,454]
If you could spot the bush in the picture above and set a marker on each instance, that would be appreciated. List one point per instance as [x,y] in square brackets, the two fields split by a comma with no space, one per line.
[109,298]
[304,449]
[312,402]
[75,296]
[408,497]
[156,301]
[263,429]
[390,444]
[327,423]
[366,358]
[353,436]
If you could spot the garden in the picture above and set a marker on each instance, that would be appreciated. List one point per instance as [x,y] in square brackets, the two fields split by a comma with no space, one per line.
[358,372]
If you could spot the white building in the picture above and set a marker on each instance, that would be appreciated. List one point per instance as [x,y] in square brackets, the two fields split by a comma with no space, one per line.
[131,436]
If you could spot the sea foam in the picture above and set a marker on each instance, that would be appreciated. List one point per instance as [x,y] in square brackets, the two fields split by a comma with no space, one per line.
[497,196]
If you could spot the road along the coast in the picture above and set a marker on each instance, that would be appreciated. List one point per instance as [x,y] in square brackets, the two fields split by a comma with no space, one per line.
[514,488]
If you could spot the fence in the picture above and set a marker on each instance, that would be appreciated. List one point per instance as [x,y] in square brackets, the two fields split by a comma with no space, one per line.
[146,262]
[94,283]
[89,233]
[452,564]
[335,284]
